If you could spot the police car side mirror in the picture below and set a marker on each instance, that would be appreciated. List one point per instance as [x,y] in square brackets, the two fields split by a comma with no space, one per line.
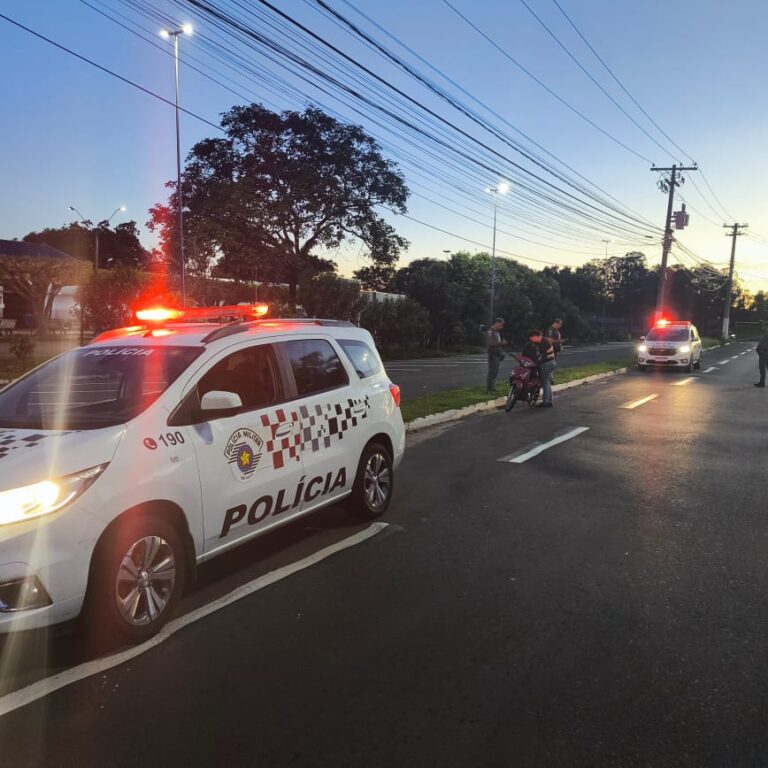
[216,400]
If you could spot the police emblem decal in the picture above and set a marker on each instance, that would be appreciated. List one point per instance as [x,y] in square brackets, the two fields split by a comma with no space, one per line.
[243,452]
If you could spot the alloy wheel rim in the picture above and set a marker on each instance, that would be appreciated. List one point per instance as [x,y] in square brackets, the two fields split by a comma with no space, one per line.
[377,483]
[145,581]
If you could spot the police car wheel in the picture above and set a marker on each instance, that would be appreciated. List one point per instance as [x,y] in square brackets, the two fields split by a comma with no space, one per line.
[374,483]
[137,578]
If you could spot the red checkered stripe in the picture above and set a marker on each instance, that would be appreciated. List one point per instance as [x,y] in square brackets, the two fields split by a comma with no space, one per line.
[313,428]
[285,448]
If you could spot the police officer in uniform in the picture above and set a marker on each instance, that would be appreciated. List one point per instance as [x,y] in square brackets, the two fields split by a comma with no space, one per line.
[494,344]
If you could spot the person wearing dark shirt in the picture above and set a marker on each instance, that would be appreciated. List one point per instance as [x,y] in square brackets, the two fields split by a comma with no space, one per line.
[532,348]
[494,344]
[553,334]
[762,355]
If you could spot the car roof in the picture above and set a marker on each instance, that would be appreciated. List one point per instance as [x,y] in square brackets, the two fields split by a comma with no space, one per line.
[203,334]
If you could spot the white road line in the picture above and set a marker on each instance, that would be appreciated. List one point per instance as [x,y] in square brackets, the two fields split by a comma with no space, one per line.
[637,403]
[723,362]
[710,369]
[41,688]
[734,357]
[683,382]
[537,448]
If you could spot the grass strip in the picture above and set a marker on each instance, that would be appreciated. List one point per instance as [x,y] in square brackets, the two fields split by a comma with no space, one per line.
[437,402]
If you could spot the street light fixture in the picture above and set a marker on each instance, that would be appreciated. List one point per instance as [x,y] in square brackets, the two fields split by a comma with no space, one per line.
[95,230]
[500,189]
[185,29]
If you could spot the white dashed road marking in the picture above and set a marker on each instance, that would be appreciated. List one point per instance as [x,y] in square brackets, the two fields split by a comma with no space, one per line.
[41,688]
[710,369]
[534,450]
[723,362]
[683,382]
[734,357]
[632,404]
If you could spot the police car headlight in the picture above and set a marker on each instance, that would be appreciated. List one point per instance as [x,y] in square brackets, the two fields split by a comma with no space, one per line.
[642,348]
[685,348]
[30,501]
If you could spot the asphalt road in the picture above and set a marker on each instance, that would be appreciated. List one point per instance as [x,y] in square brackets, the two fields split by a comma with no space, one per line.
[601,602]
[424,376]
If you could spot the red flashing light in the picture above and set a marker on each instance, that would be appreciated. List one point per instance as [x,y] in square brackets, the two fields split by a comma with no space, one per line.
[164,314]
[394,390]
[158,314]
[662,322]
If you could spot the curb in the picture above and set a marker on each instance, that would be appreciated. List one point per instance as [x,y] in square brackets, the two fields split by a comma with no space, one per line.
[425,422]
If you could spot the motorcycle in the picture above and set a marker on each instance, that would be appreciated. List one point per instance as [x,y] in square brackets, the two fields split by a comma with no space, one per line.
[524,383]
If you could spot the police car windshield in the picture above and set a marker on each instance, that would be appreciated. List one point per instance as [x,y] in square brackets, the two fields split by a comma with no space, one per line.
[93,387]
[667,334]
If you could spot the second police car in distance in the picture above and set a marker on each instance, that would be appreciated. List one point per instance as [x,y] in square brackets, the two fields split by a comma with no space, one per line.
[671,344]
[125,463]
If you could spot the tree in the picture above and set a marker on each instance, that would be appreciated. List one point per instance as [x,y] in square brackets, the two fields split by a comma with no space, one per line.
[280,192]
[39,279]
[118,246]
[376,277]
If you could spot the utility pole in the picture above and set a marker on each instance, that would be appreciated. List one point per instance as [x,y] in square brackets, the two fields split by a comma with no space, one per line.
[500,189]
[733,234]
[671,183]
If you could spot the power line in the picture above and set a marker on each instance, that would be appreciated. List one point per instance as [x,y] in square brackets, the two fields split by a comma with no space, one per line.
[619,83]
[108,71]
[530,74]
[589,75]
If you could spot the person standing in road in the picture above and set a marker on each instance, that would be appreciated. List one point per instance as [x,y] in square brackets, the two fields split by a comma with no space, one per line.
[547,364]
[553,334]
[494,344]
[762,355]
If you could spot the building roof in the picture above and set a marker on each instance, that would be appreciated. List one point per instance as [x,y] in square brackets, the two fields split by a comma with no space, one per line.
[34,250]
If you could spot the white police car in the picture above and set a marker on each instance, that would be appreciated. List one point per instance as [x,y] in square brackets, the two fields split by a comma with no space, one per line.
[671,344]
[126,462]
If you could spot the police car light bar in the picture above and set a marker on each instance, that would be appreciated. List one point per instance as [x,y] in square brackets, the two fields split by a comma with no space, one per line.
[164,314]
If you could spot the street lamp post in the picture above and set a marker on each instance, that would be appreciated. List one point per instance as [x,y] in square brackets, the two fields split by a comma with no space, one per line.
[500,189]
[83,220]
[602,320]
[185,29]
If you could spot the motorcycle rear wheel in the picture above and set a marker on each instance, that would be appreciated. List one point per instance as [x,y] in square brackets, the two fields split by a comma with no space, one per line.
[511,399]
[533,396]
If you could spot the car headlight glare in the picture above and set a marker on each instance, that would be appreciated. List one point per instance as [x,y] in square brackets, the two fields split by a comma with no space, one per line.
[685,349]
[642,348]
[30,501]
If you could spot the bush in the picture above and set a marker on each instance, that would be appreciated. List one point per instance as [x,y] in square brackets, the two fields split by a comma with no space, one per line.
[397,326]
[329,296]
[23,348]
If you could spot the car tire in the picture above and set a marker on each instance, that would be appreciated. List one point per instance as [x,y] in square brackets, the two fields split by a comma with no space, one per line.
[374,483]
[689,367]
[138,574]
[641,367]
[697,364]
